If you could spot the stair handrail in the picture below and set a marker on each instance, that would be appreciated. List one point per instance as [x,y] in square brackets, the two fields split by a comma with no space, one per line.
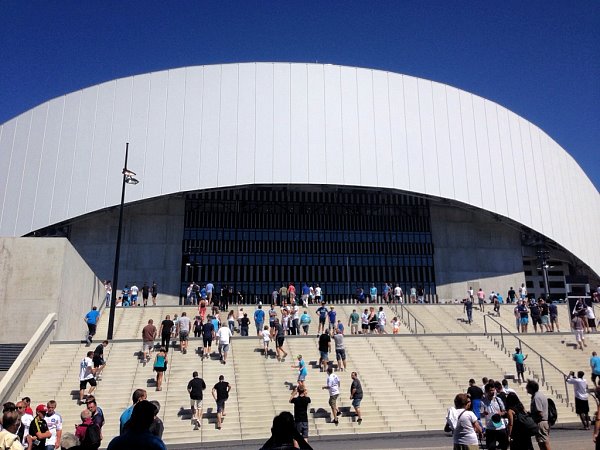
[410,316]
[543,360]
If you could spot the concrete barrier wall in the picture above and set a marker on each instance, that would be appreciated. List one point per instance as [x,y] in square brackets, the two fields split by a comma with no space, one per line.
[39,276]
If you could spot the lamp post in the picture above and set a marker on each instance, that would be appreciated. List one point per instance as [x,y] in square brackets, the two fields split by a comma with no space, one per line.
[128,178]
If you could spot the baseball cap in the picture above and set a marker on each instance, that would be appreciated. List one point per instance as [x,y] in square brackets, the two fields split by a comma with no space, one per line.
[497,421]
[41,408]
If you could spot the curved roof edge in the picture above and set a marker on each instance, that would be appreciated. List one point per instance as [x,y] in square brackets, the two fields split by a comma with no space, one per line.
[261,123]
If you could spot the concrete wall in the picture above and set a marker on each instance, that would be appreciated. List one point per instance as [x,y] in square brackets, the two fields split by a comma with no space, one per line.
[150,244]
[472,249]
[39,276]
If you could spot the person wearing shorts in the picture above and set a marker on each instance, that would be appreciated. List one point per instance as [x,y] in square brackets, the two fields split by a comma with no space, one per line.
[220,393]
[183,326]
[86,375]
[302,371]
[333,386]
[356,395]
[364,321]
[279,335]
[195,388]
[324,349]
[208,334]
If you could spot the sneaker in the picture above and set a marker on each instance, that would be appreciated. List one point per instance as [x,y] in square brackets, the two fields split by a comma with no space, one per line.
[339,413]
[359,421]
[336,421]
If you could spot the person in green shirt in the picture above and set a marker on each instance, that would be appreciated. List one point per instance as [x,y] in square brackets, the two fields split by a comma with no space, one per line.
[353,322]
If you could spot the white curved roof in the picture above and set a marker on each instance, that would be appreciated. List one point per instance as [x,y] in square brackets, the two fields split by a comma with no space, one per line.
[237,124]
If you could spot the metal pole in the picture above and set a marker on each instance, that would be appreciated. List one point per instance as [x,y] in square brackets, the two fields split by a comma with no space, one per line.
[115,280]
[485,325]
[542,367]
[502,337]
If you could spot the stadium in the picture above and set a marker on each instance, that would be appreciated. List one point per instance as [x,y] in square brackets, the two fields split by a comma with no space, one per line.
[255,175]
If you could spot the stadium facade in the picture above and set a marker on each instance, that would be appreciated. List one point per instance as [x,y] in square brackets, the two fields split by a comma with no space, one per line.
[257,174]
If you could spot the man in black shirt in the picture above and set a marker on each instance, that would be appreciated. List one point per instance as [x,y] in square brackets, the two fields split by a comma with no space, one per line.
[476,394]
[208,334]
[356,395]
[301,400]
[98,359]
[244,325]
[195,388]
[38,430]
[220,393]
[324,349]
[165,332]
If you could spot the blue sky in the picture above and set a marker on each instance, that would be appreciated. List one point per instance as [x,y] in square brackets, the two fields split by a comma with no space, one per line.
[540,59]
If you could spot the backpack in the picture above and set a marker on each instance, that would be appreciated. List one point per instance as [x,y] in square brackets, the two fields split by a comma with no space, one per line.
[92,439]
[526,423]
[552,412]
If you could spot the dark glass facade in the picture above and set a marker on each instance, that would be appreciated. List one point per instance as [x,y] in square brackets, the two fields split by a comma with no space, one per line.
[258,238]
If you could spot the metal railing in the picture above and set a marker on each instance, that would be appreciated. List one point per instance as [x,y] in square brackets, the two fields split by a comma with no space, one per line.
[533,364]
[412,323]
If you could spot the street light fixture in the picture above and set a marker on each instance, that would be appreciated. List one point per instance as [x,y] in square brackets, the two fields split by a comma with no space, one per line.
[128,178]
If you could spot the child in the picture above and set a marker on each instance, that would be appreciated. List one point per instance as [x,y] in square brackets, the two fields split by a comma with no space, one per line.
[266,335]
[302,371]
[395,325]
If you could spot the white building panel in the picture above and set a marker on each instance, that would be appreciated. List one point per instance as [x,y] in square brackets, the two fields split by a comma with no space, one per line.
[15,174]
[445,168]
[398,133]
[333,124]
[64,162]
[121,127]
[155,151]
[228,123]
[240,124]
[317,151]
[416,168]
[510,179]
[98,169]
[366,127]
[285,138]
[191,167]
[31,170]
[457,146]
[138,135]
[170,180]
[211,115]
[383,134]
[263,161]
[47,173]
[246,124]
[490,169]
[82,158]
[351,147]
[7,136]
[474,176]
[430,152]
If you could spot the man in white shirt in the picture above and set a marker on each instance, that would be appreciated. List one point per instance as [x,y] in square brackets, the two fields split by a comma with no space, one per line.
[398,294]
[333,386]
[133,292]
[492,408]
[86,375]
[582,407]
[224,335]
[381,320]
[55,423]
[26,420]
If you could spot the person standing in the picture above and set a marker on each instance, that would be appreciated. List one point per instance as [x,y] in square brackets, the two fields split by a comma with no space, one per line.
[86,375]
[305,293]
[244,324]
[539,413]
[108,292]
[195,388]
[475,394]
[595,366]
[154,292]
[467,432]
[322,313]
[353,322]
[160,367]
[38,430]
[148,337]
[278,335]
[220,393]
[578,325]
[582,407]
[137,433]
[137,396]
[373,293]
[518,436]
[324,349]
[340,351]
[208,334]
[333,386]
[305,321]
[301,400]
[55,423]
[511,295]
[523,292]
[481,299]
[133,292]
[553,310]
[91,319]
[98,359]
[493,410]
[398,294]
[259,319]
[381,321]
[519,359]
[302,371]
[332,315]
[356,395]
[183,327]
[145,293]
[209,292]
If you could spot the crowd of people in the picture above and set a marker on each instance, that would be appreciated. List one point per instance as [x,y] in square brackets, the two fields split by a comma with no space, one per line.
[130,295]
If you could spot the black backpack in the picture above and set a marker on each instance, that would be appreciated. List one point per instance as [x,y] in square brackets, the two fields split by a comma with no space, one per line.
[552,412]
[524,422]
[92,438]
